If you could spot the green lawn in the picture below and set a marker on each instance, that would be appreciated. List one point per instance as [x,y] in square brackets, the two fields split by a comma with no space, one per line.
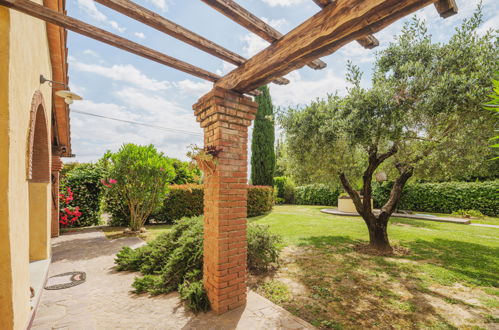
[449,278]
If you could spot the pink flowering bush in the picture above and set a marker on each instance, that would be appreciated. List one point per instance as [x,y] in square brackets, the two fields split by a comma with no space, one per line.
[81,195]
[69,214]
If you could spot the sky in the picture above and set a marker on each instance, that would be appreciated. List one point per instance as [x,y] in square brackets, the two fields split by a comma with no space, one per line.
[118,84]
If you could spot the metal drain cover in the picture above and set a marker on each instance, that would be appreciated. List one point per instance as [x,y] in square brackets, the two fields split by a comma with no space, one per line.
[65,280]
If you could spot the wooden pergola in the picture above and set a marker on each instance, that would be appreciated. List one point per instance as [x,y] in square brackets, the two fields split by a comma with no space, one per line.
[225,113]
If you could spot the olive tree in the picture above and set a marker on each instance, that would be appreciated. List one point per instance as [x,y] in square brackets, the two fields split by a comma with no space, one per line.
[422,113]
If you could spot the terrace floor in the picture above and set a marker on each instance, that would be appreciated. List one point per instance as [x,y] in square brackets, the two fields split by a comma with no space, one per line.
[104,301]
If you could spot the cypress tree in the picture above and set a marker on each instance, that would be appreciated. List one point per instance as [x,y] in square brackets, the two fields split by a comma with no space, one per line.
[262,144]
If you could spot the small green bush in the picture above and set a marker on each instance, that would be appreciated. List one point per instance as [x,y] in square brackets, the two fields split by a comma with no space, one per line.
[84,181]
[263,248]
[469,213]
[316,194]
[285,190]
[260,200]
[174,260]
[445,197]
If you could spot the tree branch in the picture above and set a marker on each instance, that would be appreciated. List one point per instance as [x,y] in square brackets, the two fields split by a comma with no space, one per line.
[354,195]
[406,172]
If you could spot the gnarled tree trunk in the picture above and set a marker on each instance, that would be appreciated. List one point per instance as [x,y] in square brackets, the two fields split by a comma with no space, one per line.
[377,224]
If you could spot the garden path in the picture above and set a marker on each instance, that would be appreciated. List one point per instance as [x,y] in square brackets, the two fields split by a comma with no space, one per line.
[104,301]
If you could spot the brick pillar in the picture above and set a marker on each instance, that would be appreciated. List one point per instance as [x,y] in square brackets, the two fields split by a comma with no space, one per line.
[57,166]
[225,117]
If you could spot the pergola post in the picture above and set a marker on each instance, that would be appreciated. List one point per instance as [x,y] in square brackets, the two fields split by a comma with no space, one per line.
[225,117]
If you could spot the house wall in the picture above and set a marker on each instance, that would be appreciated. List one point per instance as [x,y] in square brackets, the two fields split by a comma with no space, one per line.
[24,55]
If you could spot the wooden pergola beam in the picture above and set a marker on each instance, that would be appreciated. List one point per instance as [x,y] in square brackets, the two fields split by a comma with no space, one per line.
[164,25]
[446,8]
[254,24]
[321,35]
[368,41]
[33,9]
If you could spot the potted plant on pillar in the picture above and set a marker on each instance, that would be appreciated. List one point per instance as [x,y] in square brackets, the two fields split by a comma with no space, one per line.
[205,158]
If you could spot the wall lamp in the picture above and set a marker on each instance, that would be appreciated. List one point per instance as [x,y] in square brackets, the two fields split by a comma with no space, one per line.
[68,95]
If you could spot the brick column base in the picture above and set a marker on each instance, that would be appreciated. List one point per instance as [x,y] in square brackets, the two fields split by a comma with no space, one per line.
[225,117]
[57,166]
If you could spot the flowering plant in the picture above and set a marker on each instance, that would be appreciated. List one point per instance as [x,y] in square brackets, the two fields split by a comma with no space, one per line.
[68,215]
[206,158]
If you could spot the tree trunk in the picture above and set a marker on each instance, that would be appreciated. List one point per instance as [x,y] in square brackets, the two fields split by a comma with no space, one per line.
[378,238]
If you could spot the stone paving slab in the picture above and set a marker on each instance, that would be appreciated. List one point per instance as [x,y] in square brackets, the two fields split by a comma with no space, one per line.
[404,215]
[104,301]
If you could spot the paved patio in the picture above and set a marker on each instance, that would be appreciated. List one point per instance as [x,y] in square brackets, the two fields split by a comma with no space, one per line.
[104,301]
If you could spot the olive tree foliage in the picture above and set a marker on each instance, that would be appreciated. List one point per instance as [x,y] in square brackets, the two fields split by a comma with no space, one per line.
[422,115]
[139,176]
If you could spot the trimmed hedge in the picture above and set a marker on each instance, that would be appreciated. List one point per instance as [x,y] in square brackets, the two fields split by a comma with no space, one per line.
[181,201]
[316,194]
[84,181]
[260,200]
[284,190]
[446,197]
[187,201]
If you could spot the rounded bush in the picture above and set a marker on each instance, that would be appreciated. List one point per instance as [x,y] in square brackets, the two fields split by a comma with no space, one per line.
[285,190]
[260,200]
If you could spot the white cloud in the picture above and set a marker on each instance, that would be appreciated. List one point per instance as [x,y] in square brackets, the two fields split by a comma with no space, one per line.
[88,6]
[139,35]
[194,88]
[90,52]
[226,68]
[253,44]
[275,23]
[125,73]
[302,91]
[92,136]
[160,4]
[284,3]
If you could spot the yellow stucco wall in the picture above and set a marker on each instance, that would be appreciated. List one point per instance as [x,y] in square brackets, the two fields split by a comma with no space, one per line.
[24,55]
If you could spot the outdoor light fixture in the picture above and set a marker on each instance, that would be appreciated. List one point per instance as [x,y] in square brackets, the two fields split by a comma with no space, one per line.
[68,95]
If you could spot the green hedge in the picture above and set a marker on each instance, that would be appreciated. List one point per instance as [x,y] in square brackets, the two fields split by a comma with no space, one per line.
[187,201]
[284,190]
[84,181]
[181,201]
[446,197]
[260,200]
[316,194]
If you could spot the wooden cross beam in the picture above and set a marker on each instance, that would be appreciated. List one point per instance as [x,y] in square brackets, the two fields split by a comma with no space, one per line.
[324,33]
[164,25]
[446,8]
[368,41]
[33,9]
[254,24]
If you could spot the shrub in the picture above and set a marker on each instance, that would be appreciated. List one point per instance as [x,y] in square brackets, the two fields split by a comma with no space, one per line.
[181,201]
[446,197]
[316,194]
[84,182]
[263,248]
[175,205]
[141,175]
[174,260]
[285,190]
[469,213]
[260,200]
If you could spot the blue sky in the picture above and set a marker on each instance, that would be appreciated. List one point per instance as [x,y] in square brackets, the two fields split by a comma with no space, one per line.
[118,84]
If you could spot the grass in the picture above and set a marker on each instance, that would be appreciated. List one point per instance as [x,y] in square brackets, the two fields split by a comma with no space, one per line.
[152,232]
[448,280]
